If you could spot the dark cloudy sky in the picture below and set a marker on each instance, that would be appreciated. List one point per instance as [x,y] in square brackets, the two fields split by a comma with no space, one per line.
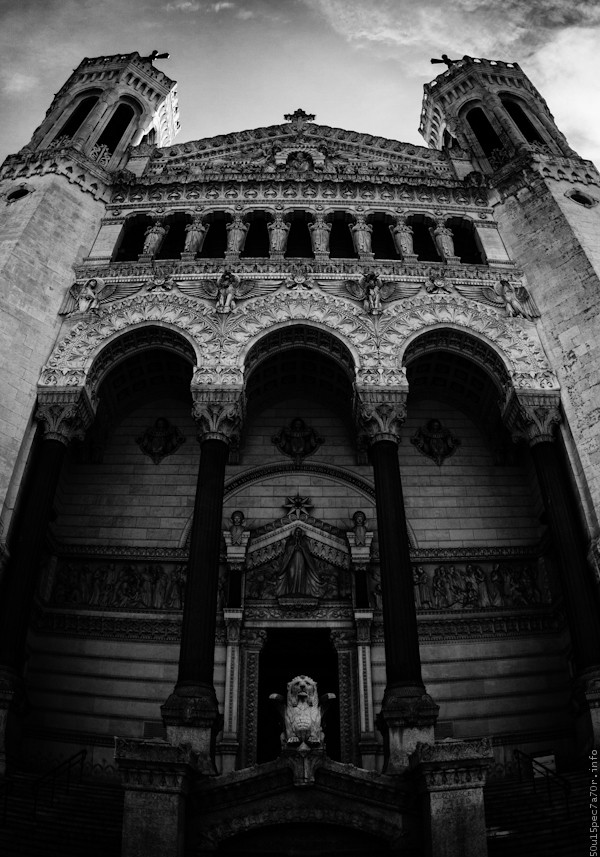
[356,64]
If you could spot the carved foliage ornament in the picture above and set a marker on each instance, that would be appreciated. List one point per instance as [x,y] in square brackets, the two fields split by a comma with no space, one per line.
[378,340]
[533,415]
[218,414]
[380,416]
[66,414]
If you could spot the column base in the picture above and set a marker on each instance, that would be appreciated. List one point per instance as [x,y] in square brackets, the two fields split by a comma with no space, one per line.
[191,717]
[13,707]
[368,747]
[156,778]
[586,700]
[407,718]
[450,777]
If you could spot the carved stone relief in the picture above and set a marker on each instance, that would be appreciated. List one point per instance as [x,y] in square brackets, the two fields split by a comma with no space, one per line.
[160,440]
[297,440]
[435,441]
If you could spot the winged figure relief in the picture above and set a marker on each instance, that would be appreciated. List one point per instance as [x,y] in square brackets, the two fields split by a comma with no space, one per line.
[373,292]
[228,289]
[87,296]
[513,298]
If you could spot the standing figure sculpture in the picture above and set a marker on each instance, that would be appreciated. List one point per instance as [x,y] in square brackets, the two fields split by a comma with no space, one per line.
[298,575]
[195,234]
[236,234]
[153,238]
[361,235]
[278,235]
[402,234]
[319,234]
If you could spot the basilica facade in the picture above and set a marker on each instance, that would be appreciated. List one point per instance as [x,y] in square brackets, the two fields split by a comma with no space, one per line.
[299,466]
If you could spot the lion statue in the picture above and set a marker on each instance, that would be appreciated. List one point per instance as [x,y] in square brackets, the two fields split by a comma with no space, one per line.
[302,713]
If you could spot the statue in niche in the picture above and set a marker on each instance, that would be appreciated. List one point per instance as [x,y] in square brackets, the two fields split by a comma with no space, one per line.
[236,234]
[153,238]
[435,441]
[195,232]
[278,234]
[444,241]
[302,712]
[160,440]
[361,235]
[371,291]
[297,440]
[298,574]
[237,529]
[360,529]
[402,234]
[319,234]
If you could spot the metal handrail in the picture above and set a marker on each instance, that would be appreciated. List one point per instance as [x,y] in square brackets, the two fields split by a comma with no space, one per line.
[549,775]
[6,789]
[50,777]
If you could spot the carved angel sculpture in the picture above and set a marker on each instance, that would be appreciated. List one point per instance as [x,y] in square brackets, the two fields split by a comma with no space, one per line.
[227,291]
[303,713]
[371,291]
[514,299]
[86,297]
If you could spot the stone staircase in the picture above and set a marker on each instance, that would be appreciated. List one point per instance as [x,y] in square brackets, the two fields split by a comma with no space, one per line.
[86,822]
[523,822]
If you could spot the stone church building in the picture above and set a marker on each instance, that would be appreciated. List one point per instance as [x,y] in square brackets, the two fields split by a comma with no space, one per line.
[299,463]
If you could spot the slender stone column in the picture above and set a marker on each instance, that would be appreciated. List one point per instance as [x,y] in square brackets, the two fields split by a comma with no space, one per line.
[345,646]
[191,713]
[229,744]
[533,416]
[408,713]
[253,640]
[65,414]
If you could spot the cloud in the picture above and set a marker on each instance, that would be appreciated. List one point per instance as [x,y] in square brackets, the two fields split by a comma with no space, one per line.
[18,82]
[475,27]
[197,6]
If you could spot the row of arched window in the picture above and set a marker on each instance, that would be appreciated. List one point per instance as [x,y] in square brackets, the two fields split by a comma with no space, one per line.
[297,234]
[486,134]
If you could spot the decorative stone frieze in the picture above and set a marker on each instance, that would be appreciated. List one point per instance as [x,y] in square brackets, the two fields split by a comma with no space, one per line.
[532,415]
[66,414]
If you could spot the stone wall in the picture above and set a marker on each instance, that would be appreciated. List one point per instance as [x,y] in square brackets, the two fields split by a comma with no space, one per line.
[41,236]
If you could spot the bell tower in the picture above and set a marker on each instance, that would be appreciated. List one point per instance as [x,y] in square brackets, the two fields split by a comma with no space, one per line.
[109,104]
[491,109]
[489,118]
[53,195]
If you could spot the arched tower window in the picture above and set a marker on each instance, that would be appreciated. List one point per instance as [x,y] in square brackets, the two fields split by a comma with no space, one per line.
[116,127]
[174,240]
[465,241]
[423,243]
[522,121]
[299,243]
[382,243]
[131,241]
[77,117]
[257,239]
[215,242]
[340,237]
[483,130]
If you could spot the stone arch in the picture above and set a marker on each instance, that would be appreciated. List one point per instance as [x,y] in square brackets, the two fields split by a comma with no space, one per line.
[516,344]
[71,362]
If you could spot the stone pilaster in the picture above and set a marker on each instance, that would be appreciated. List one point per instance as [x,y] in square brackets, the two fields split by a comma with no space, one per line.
[229,745]
[368,742]
[408,713]
[533,416]
[253,640]
[345,646]
[191,713]
[450,777]
[156,778]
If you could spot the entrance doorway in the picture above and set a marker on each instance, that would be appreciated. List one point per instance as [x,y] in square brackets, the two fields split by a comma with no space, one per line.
[286,654]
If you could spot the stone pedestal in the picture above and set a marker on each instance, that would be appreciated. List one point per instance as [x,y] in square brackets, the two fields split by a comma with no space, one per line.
[450,777]
[407,719]
[191,717]
[156,778]
[13,704]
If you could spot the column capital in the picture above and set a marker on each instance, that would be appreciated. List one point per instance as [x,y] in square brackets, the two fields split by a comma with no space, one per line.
[531,415]
[452,765]
[380,414]
[66,413]
[218,414]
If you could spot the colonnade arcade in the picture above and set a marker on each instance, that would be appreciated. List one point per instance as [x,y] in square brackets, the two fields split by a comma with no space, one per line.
[350,402]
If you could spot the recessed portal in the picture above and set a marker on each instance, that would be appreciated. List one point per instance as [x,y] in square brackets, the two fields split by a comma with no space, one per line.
[286,654]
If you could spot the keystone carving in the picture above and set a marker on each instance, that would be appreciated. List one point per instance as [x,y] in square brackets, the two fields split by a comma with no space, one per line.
[66,414]
[532,415]
[218,415]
